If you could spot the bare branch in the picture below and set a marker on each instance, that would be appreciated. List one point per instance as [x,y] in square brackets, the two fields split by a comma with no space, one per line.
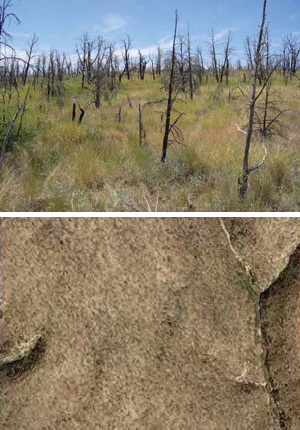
[252,169]
[239,129]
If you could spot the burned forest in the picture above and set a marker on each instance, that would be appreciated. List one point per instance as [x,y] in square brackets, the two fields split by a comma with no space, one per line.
[195,126]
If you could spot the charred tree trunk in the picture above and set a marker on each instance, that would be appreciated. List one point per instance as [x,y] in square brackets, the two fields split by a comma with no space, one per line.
[225,67]
[74,112]
[190,67]
[81,115]
[141,126]
[29,53]
[8,134]
[159,61]
[268,87]
[243,182]
[170,96]
[126,57]
[214,57]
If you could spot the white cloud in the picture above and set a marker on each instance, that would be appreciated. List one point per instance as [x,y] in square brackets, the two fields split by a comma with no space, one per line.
[166,39]
[218,36]
[222,34]
[113,22]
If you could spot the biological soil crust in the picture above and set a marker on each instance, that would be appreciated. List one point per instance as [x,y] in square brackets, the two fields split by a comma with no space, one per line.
[148,323]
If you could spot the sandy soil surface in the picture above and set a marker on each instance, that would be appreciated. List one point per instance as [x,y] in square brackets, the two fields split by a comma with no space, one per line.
[146,323]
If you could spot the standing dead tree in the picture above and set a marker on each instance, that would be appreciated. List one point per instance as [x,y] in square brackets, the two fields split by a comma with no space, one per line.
[61,62]
[102,70]
[44,65]
[142,66]
[8,134]
[171,128]
[268,112]
[6,16]
[225,65]
[142,132]
[220,68]
[11,65]
[190,65]
[199,65]
[54,75]
[249,53]
[247,170]
[213,53]
[82,58]
[99,73]
[268,86]
[291,54]
[38,70]
[21,108]
[181,57]
[152,68]
[86,60]
[74,112]
[159,61]
[127,45]
[30,55]
[112,66]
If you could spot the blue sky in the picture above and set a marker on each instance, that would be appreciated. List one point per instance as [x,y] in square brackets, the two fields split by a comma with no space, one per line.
[59,23]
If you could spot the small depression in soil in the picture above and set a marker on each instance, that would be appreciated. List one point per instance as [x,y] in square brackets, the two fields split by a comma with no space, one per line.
[280,318]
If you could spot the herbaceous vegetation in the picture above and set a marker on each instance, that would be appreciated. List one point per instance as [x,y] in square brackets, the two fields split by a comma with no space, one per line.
[185,129]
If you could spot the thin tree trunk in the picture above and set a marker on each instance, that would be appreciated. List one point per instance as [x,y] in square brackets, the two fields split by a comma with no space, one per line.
[141,126]
[170,97]
[74,112]
[190,68]
[7,136]
[244,181]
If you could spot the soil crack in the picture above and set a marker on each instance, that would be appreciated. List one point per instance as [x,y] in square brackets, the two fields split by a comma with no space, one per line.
[277,316]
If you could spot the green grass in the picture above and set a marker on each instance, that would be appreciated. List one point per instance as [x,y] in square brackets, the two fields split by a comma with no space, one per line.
[57,165]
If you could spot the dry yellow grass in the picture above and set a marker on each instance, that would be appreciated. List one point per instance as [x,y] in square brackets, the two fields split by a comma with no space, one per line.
[99,166]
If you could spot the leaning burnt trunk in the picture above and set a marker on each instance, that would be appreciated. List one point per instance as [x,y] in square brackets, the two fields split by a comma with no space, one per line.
[170,96]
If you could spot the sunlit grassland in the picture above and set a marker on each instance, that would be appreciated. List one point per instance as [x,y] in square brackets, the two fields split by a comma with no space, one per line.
[58,165]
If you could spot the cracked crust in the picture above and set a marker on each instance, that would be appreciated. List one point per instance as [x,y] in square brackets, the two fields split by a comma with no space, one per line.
[280,321]
[150,324]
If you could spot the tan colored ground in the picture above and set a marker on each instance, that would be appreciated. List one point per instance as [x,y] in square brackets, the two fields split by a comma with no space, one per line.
[148,324]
